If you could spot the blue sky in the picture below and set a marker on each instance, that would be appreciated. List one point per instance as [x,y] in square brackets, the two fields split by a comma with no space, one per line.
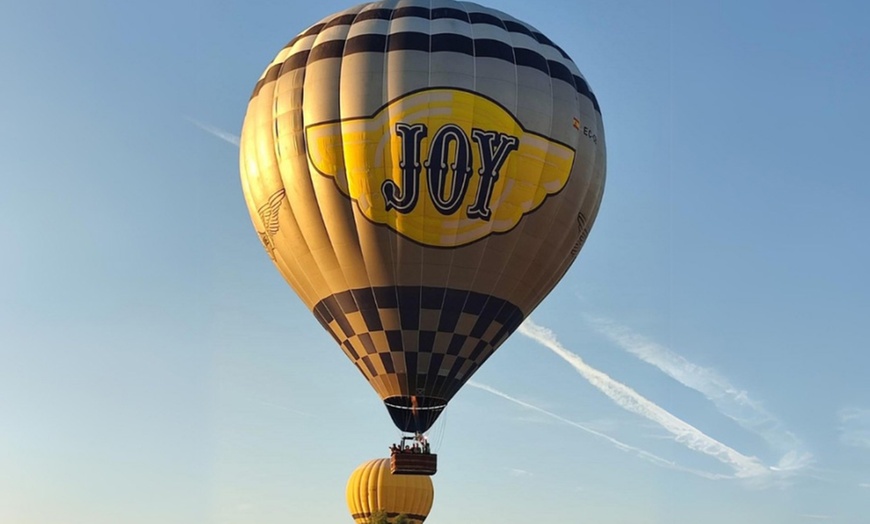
[706,360]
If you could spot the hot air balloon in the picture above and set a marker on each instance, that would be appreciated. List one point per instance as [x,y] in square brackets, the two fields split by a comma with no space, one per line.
[372,488]
[422,173]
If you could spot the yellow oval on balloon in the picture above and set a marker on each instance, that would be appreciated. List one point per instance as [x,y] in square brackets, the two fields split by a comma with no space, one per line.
[444,167]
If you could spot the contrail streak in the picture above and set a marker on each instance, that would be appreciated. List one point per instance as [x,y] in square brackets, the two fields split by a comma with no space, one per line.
[730,400]
[631,400]
[220,133]
[655,459]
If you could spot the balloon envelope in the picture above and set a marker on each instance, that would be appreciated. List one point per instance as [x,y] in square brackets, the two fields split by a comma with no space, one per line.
[422,173]
[372,488]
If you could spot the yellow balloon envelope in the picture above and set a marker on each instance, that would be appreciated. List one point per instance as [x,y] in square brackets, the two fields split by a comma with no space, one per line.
[422,174]
[372,488]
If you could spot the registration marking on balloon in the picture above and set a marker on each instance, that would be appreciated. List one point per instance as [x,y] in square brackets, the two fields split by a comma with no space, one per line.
[444,167]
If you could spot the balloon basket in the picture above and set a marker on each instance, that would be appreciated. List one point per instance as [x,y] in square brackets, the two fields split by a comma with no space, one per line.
[413,463]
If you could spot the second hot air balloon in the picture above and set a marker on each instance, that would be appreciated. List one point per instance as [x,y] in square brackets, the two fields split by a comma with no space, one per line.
[422,173]
[372,488]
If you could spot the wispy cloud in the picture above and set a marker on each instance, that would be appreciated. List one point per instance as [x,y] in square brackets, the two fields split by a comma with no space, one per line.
[655,459]
[517,472]
[731,401]
[212,130]
[630,400]
[811,516]
[864,485]
[855,427]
